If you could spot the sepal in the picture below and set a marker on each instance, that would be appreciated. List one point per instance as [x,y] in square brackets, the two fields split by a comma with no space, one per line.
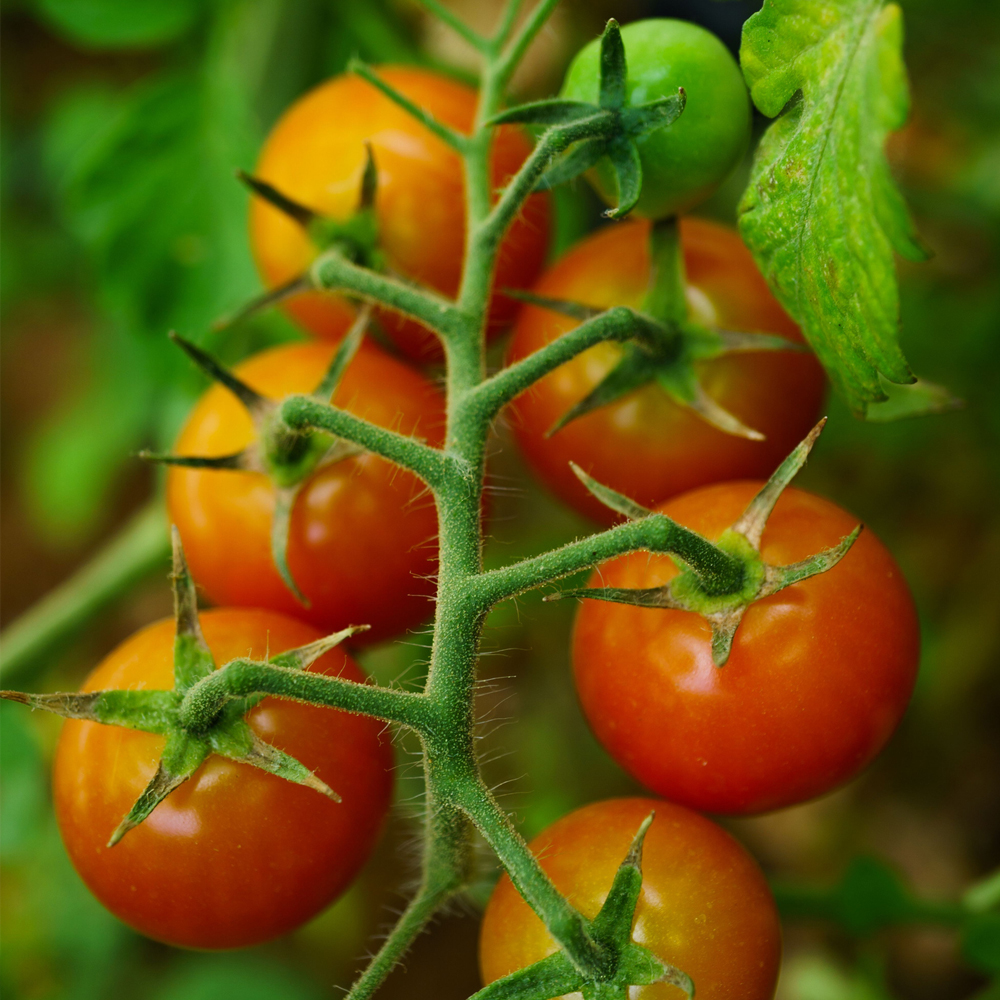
[193,660]
[148,711]
[297,212]
[618,502]
[182,756]
[240,743]
[256,404]
[551,977]
[624,156]
[551,111]
[723,611]
[614,72]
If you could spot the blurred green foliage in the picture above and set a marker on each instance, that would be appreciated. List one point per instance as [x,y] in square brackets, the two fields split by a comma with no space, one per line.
[122,123]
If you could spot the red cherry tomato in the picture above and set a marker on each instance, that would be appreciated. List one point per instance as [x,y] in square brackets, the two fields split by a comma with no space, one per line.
[818,678]
[363,532]
[316,155]
[234,856]
[644,445]
[704,905]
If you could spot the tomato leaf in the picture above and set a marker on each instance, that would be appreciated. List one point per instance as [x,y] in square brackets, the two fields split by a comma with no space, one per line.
[822,214]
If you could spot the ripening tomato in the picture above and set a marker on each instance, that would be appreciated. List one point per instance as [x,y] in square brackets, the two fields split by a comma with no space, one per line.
[363,532]
[644,445]
[818,678]
[684,162]
[235,855]
[704,906]
[316,155]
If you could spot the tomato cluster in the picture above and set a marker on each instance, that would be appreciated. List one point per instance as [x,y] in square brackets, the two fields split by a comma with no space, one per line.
[819,674]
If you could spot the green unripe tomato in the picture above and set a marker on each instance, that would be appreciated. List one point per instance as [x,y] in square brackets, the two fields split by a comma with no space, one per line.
[683,163]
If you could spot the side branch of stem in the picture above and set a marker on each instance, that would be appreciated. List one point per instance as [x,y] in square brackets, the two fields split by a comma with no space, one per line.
[245,678]
[430,464]
[334,272]
[718,571]
[489,397]
[566,924]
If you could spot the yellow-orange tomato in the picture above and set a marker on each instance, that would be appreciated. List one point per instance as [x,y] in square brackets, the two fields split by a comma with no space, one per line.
[704,906]
[235,855]
[363,533]
[316,155]
[644,445]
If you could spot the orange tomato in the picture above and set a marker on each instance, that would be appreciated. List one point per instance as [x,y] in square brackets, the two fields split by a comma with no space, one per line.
[704,906]
[316,155]
[235,855]
[363,533]
[645,445]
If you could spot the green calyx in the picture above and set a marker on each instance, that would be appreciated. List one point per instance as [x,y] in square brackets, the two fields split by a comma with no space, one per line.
[622,962]
[218,724]
[287,455]
[720,598]
[610,127]
[666,345]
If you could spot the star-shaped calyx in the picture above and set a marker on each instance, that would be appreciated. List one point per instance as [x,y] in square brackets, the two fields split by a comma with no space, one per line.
[287,457]
[160,712]
[741,542]
[614,124]
[625,963]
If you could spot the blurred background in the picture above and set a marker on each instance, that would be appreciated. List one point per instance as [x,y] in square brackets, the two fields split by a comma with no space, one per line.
[123,122]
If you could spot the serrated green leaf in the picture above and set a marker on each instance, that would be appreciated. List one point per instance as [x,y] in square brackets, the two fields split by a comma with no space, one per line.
[821,214]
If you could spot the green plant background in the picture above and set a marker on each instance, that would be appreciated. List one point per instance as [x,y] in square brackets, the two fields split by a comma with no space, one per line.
[122,124]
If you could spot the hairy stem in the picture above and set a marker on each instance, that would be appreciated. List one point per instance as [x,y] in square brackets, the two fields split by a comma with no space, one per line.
[490,396]
[430,464]
[141,548]
[564,923]
[245,678]
[333,271]
[719,572]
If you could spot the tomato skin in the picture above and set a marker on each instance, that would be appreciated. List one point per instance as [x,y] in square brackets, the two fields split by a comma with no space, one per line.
[704,905]
[420,201]
[361,529]
[234,856]
[644,445]
[683,163]
[818,678]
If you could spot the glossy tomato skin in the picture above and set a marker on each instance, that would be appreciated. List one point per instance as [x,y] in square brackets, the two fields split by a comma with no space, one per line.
[818,678]
[234,856]
[362,530]
[683,163]
[644,445]
[316,155]
[704,905]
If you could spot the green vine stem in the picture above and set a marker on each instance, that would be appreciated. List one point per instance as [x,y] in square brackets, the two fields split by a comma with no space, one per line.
[138,550]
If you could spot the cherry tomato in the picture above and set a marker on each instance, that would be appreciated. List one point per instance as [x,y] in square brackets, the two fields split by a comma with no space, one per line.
[704,905]
[682,163]
[644,445]
[818,678]
[363,532]
[316,155]
[234,856]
